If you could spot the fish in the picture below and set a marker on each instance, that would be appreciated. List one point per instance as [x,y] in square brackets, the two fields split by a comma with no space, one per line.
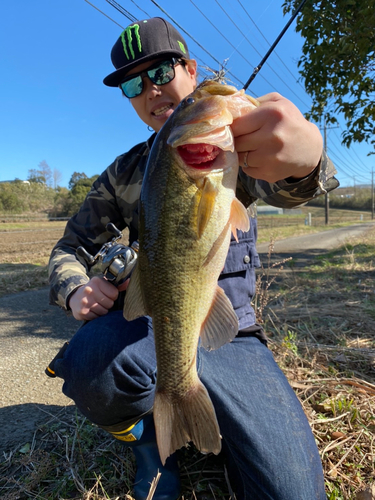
[187,212]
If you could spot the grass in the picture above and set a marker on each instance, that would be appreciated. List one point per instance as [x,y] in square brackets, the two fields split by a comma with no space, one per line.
[70,458]
[321,325]
[320,320]
[31,225]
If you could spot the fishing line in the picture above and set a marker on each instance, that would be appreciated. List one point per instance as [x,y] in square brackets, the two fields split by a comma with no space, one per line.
[258,68]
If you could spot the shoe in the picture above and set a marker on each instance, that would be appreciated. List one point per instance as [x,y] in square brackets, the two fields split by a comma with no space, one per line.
[142,440]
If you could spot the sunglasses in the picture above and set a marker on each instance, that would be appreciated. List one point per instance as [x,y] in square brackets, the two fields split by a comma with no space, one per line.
[160,74]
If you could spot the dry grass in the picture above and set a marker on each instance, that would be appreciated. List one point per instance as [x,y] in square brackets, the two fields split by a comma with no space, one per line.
[321,323]
[70,458]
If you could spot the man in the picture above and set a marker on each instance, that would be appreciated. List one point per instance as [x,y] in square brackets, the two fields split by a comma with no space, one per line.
[109,367]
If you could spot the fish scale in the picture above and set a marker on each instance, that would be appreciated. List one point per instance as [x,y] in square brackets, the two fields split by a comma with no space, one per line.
[186,218]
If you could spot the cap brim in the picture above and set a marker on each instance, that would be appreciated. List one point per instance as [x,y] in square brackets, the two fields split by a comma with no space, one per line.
[114,79]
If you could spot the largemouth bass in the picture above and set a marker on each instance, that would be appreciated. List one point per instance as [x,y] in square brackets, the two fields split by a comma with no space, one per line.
[188,210]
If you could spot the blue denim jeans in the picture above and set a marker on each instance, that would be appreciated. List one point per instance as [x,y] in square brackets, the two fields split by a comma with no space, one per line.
[109,370]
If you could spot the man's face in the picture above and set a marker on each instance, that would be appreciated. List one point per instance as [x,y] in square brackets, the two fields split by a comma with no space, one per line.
[157,102]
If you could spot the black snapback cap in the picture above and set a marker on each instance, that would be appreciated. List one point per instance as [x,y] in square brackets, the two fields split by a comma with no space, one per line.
[142,41]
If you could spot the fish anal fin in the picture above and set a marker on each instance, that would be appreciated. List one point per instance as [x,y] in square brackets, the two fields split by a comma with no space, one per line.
[134,306]
[191,418]
[239,218]
[206,205]
[221,324]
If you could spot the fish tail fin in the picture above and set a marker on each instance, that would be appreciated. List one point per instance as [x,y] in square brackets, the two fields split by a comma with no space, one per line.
[191,418]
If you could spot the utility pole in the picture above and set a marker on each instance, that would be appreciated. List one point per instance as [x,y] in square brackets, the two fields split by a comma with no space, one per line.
[327,194]
[372,194]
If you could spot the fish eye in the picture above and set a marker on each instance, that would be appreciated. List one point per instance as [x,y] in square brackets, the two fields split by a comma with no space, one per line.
[189,100]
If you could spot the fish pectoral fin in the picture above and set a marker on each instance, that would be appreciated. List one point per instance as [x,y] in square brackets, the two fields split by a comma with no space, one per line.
[221,324]
[206,205]
[239,218]
[192,418]
[134,306]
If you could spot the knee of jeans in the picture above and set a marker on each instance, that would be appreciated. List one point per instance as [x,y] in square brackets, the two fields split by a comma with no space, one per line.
[112,395]
[129,374]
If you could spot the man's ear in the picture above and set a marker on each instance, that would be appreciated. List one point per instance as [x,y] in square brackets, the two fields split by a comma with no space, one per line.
[192,69]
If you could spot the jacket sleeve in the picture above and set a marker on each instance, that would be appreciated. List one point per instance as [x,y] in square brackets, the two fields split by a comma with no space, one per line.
[112,198]
[289,193]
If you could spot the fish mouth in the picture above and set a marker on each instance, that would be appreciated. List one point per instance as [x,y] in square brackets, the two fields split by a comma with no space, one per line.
[199,156]
[200,151]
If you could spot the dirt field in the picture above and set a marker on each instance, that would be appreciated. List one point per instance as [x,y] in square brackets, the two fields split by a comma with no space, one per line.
[24,253]
[32,243]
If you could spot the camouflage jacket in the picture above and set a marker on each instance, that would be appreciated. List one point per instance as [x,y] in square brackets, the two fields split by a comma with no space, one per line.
[114,198]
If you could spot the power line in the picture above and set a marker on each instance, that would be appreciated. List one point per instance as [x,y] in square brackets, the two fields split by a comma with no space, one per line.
[338,155]
[110,18]
[123,11]
[217,29]
[355,152]
[260,55]
[186,33]
[230,43]
[348,152]
[144,12]
[276,54]
[353,174]
[192,38]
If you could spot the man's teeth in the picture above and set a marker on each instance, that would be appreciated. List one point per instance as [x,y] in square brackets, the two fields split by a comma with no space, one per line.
[162,110]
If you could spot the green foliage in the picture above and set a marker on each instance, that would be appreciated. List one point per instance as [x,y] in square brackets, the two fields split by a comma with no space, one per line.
[36,176]
[76,178]
[18,197]
[69,202]
[338,63]
[9,201]
[290,340]
[361,200]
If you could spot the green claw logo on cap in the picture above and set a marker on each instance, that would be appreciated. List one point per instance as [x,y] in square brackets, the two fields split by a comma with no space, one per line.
[182,46]
[127,40]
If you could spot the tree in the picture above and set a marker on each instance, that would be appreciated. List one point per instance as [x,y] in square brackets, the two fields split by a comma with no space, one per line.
[57,176]
[46,172]
[75,178]
[42,175]
[36,176]
[79,185]
[338,63]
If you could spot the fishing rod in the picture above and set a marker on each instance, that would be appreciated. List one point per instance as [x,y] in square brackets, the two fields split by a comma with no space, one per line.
[259,67]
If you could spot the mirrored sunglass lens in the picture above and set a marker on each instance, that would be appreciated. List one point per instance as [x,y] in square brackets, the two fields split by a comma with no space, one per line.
[132,87]
[162,74]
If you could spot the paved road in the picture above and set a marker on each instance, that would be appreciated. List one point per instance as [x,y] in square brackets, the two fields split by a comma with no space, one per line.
[326,240]
[31,332]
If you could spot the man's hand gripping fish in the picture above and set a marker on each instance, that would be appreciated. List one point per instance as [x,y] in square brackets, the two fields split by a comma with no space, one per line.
[188,210]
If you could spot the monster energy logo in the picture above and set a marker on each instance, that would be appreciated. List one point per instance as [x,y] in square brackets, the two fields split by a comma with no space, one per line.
[127,40]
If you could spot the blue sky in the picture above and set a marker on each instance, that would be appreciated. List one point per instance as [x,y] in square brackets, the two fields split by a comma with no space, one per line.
[55,54]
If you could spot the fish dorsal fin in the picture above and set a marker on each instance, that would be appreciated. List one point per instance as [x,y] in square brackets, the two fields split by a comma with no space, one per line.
[206,205]
[221,324]
[134,306]
[239,218]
